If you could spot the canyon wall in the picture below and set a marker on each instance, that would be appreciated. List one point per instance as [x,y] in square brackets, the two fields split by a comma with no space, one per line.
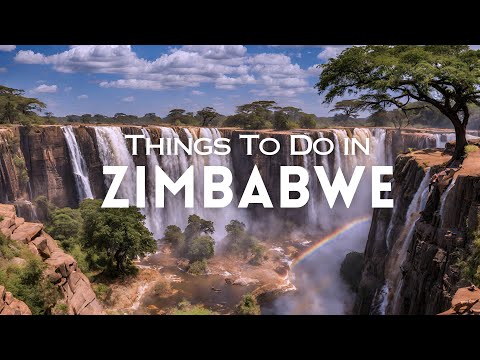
[416,271]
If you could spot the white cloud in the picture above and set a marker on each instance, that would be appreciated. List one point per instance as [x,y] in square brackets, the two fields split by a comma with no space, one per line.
[225,66]
[128,99]
[475,47]
[7,47]
[81,97]
[43,88]
[331,51]
[314,70]
[3,70]
[197,92]
[67,89]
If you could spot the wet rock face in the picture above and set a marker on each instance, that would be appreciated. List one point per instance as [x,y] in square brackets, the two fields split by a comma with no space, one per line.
[430,275]
[48,163]
[407,178]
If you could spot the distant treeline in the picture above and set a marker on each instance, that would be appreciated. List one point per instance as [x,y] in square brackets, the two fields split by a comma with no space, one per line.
[18,109]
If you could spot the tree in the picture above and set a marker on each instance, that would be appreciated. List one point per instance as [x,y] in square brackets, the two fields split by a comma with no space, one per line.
[308,121]
[86,118]
[197,226]
[174,236]
[9,113]
[200,248]
[65,226]
[445,76]
[207,114]
[349,108]
[248,306]
[280,121]
[120,233]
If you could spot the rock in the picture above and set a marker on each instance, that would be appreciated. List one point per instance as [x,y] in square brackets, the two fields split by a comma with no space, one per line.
[82,297]
[19,221]
[18,261]
[8,298]
[41,245]
[20,308]
[244,281]
[20,237]
[63,263]
[2,293]
[31,230]
[6,232]
[33,249]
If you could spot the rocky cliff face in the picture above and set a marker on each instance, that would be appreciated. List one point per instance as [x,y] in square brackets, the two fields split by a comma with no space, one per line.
[62,269]
[426,278]
[11,306]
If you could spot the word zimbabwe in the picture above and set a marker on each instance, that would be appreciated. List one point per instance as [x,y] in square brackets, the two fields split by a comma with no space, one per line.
[255,191]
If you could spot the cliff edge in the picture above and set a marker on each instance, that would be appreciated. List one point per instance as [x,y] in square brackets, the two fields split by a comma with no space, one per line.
[61,270]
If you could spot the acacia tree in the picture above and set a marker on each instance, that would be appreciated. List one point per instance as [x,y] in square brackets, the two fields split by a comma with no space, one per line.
[349,108]
[207,114]
[445,76]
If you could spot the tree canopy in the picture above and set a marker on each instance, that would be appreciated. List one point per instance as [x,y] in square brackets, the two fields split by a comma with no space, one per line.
[444,76]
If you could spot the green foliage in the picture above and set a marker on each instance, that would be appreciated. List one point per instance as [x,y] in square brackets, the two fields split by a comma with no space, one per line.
[248,306]
[185,308]
[102,291]
[207,114]
[28,284]
[8,250]
[308,121]
[351,269]
[200,248]
[173,235]
[65,226]
[239,242]
[60,309]
[119,233]
[197,226]
[281,121]
[18,109]
[19,163]
[397,76]
[469,263]
[198,267]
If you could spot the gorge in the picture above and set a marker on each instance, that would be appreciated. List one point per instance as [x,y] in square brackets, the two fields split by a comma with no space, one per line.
[64,163]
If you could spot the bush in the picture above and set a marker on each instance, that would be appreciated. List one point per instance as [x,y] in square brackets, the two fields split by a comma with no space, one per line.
[258,252]
[351,269]
[198,267]
[60,309]
[44,208]
[185,308]
[470,149]
[28,284]
[19,163]
[102,291]
[173,235]
[201,248]
[248,306]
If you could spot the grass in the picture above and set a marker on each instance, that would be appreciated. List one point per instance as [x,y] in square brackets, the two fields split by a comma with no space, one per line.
[470,149]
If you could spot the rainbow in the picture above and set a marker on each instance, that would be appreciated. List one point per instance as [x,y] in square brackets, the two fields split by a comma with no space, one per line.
[326,239]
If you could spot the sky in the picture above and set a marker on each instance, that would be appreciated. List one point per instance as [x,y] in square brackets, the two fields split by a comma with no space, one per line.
[106,79]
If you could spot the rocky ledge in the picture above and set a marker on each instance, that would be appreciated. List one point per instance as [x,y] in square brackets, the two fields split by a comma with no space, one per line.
[62,269]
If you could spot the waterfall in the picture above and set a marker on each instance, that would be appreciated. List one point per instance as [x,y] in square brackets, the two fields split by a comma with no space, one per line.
[443,139]
[400,249]
[443,201]
[79,167]
[113,151]
[153,216]
[323,149]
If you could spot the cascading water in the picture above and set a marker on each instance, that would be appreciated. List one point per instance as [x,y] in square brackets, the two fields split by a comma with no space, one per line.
[79,167]
[113,151]
[394,279]
[443,139]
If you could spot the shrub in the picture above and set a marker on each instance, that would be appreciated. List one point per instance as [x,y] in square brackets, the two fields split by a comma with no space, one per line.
[19,163]
[102,291]
[198,267]
[201,248]
[248,306]
[470,149]
[28,284]
[258,252]
[173,235]
[185,308]
[60,309]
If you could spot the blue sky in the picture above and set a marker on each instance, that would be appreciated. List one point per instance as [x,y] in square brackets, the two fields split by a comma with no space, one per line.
[139,79]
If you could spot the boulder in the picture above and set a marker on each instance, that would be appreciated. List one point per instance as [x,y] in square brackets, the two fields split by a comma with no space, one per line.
[2,293]
[33,249]
[31,230]
[83,296]
[41,245]
[20,308]
[6,232]
[63,263]
[20,237]
[19,221]
[8,298]
[18,261]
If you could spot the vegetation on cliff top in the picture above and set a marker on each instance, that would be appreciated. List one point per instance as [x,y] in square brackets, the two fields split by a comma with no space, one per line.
[446,77]
[24,278]
[18,109]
